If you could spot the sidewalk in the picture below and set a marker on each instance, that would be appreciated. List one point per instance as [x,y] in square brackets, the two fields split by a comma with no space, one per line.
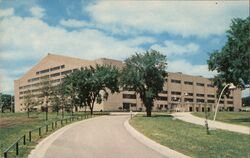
[188,117]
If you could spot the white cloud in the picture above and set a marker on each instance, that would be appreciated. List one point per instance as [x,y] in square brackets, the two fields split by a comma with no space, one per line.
[6,12]
[37,11]
[190,69]
[201,18]
[73,23]
[6,82]
[171,48]
[32,38]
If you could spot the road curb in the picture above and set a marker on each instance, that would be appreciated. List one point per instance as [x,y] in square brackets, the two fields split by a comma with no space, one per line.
[152,144]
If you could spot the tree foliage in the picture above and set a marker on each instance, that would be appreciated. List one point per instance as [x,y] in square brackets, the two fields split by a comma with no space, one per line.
[91,85]
[232,62]
[145,74]
[5,102]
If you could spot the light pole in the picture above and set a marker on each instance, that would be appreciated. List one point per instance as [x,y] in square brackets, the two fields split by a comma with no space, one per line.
[231,86]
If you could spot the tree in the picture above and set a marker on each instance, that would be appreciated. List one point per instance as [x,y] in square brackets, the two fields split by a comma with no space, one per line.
[145,74]
[28,101]
[232,62]
[56,100]
[71,89]
[5,101]
[46,92]
[92,85]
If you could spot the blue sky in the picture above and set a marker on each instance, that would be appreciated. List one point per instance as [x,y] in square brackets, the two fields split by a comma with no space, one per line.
[185,31]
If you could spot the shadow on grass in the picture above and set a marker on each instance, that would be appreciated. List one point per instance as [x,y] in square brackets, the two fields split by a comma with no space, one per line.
[159,115]
[240,120]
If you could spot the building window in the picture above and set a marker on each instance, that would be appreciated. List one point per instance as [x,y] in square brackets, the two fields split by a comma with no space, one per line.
[129,96]
[44,77]
[188,100]
[210,85]
[66,72]
[188,94]
[54,81]
[176,81]
[75,70]
[35,90]
[44,71]
[199,95]
[55,68]
[200,100]
[176,99]
[175,93]
[27,86]
[211,101]
[62,66]
[54,75]
[210,95]
[230,97]
[229,102]
[188,83]
[35,85]
[200,84]
[221,101]
[164,92]
[33,79]
[162,98]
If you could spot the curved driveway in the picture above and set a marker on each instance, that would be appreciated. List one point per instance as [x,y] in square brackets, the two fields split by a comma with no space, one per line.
[101,137]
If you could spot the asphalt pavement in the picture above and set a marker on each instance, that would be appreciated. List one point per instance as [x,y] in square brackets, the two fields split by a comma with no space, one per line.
[100,137]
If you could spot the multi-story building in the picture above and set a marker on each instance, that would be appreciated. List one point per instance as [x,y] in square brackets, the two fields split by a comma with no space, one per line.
[180,92]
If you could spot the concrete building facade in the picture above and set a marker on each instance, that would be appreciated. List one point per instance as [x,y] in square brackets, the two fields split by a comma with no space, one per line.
[180,92]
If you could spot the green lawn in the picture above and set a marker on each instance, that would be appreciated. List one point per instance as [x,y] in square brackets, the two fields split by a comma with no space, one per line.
[15,125]
[239,118]
[191,139]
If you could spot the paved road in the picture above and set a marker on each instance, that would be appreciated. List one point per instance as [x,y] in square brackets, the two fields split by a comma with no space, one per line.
[188,117]
[102,137]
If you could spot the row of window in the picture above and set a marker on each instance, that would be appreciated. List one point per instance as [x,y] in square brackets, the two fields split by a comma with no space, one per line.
[52,75]
[190,83]
[51,69]
[133,96]
[45,77]
[38,84]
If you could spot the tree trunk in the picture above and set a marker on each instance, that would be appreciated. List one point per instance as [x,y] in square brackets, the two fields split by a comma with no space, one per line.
[148,109]
[91,110]
[28,112]
[46,113]
[76,108]
[62,112]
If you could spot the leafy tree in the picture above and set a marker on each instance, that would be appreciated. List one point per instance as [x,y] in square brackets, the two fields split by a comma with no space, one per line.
[145,74]
[56,100]
[5,101]
[232,62]
[71,89]
[92,85]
